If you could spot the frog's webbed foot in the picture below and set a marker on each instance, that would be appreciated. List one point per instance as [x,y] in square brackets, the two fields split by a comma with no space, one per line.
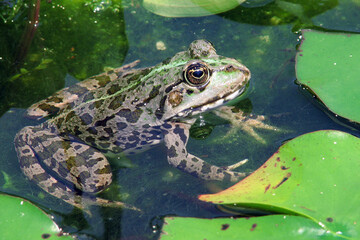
[245,122]
[62,168]
[176,139]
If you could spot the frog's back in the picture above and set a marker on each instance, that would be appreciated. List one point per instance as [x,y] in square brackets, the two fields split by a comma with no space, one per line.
[60,100]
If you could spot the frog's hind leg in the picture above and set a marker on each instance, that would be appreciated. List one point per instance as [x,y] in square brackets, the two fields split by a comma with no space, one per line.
[45,158]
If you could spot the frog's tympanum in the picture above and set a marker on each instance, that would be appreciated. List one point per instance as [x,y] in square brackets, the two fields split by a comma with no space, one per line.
[126,110]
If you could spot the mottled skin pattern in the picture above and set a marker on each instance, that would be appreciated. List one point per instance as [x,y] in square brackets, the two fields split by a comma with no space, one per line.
[126,110]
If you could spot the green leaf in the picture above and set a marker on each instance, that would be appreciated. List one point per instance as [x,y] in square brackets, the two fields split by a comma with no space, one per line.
[269,227]
[314,175]
[189,8]
[19,219]
[329,65]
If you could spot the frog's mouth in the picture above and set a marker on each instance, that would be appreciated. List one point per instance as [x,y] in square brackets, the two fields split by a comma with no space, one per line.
[211,104]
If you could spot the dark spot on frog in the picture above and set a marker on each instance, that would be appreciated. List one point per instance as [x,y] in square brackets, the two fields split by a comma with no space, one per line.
[77,131]
[130,116]
[40,177]
[182,165]
[294,159]
[160,111]
[64,197]
[278,159]
[206,168]
[86,118]
[56,99]
[130,145]
[90,140]
[25,151]
[284,168]
[133,138]
[88,96]
[171,152]
[194,159]
[104,145]
[153,93]
[117,102]
[121,125]
[56,186]
[225,226]
[98,104]
[189,91]
[105,170]
[109,131]
[92,130]
[179,131]
[104,121]
[83,176]
[77,147]
[45,236]
[77,90]
[102,80]
[113,89]
[329,219]
[253,227]
[166,126]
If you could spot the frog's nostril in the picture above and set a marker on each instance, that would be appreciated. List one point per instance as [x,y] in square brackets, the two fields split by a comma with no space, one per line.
[230,68]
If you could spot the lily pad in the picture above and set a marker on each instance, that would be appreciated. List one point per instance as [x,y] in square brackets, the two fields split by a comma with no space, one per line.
[269,227]
[328,64]
[19,219]
[313,175]
[312,179]
[189,8]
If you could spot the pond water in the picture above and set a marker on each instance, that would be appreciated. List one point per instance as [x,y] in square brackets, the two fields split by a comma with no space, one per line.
[77,39]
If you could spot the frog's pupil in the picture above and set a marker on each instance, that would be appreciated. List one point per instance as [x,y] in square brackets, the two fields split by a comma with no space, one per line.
[198,73]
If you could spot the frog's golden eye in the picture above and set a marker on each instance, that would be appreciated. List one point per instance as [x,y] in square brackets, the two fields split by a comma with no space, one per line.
[197,74]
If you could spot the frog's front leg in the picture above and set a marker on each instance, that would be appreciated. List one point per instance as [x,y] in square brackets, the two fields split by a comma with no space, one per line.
[176,137]
[245,122]
[71,171]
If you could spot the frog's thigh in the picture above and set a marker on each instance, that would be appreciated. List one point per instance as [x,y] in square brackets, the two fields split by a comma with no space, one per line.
[176,139]
[79,164]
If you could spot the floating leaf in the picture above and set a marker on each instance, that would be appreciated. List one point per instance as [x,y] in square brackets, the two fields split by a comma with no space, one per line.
[269,227]
[189,8]
[329,65]
[19,219]
[314,176]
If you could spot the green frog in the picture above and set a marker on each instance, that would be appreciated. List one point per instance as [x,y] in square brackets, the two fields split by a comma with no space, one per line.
[127,110]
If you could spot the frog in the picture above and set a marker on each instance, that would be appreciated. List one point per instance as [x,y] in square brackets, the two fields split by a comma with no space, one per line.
[127,110]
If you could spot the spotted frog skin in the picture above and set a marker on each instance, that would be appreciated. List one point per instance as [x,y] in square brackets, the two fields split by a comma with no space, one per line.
[126,110]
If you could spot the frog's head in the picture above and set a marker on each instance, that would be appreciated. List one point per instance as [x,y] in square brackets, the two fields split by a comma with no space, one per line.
[201,80]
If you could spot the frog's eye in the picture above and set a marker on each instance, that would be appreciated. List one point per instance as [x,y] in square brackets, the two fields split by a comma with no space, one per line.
[197,74]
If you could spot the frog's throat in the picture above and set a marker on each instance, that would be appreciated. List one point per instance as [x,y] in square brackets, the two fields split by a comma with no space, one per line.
[214,103]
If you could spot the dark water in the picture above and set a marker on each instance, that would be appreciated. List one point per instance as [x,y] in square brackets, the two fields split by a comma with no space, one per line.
[77,40]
